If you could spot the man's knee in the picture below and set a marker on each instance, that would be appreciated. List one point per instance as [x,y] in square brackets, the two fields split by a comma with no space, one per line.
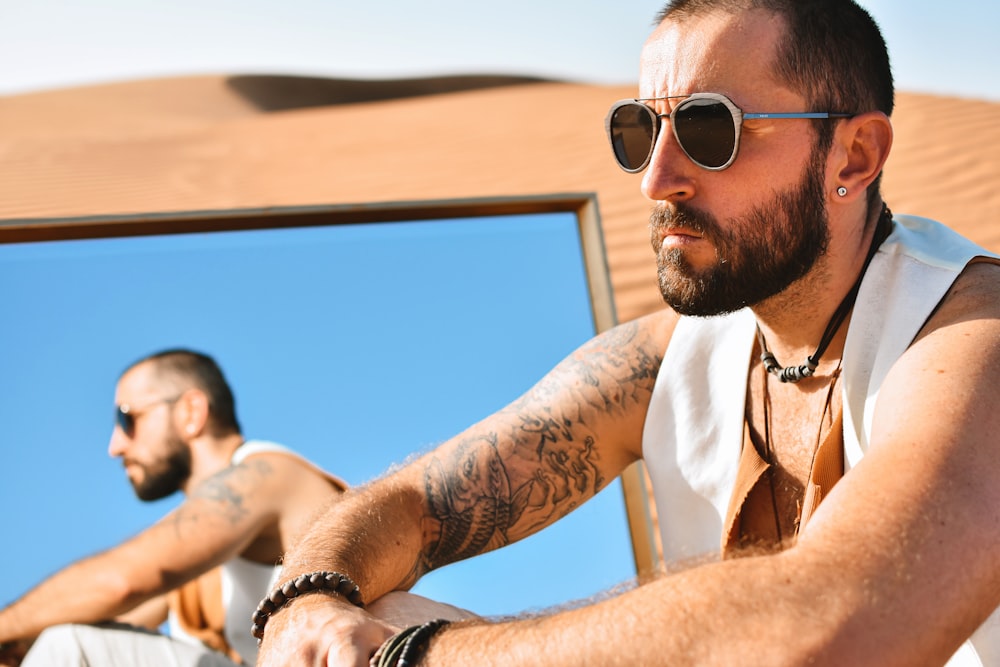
[58,645]
[88,645]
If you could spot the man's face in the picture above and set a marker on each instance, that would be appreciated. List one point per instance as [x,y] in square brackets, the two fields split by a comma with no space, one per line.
[156,459]
[759,253]
[731,238]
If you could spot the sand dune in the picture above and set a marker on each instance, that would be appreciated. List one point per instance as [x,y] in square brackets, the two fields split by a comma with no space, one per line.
[283,93]
[244,142]
[943,164]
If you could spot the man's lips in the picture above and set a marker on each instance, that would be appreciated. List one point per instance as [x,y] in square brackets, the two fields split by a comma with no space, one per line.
[680,231]
[678,236]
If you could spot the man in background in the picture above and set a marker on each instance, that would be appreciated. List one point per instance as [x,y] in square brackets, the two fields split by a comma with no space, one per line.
[203,567]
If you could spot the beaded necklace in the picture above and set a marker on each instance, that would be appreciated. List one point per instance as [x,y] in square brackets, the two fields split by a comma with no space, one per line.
[768,453]
[796,373]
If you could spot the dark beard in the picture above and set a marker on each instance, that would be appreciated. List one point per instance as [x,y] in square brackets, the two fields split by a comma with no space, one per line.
[167,475]
[760,254]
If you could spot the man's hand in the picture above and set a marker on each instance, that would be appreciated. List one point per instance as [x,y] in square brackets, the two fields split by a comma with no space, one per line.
[13,652]
[402,610]
[320,629]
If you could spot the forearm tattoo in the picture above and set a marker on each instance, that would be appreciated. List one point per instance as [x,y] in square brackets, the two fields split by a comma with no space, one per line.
[539,458]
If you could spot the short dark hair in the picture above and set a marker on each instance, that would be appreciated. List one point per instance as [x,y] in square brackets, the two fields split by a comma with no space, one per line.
[833,53]
[196,370]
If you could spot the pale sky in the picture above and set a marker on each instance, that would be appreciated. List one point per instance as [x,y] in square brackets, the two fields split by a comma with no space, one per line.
[940,48]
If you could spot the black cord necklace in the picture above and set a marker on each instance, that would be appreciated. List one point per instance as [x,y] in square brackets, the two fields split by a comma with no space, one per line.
[796,373]
[769,450]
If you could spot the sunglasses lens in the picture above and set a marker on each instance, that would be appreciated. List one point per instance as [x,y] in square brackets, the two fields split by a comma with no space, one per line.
[706,130]
[125,421]
[633,128]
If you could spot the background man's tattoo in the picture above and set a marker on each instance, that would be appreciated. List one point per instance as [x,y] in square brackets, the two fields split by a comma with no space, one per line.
[225,493]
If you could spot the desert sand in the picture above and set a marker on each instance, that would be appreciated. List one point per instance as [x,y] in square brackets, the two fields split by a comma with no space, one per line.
[229,142]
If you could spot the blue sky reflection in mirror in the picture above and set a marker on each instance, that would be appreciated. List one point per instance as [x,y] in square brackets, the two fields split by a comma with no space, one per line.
[355,343]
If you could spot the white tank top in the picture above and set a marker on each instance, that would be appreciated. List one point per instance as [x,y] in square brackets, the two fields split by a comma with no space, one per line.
[245,583]
[694,424]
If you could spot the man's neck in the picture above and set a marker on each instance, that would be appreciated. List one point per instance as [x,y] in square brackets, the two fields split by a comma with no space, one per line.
[210,455]
[793,322]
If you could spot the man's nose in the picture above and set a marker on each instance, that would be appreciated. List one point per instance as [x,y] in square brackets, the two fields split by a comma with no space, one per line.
[669,175]
[118,443]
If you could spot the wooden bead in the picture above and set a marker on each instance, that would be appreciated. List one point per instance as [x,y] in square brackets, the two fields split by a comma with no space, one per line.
[333,582]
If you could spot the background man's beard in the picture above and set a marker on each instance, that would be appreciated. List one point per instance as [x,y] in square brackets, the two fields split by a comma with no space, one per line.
[760,255]
[167,475]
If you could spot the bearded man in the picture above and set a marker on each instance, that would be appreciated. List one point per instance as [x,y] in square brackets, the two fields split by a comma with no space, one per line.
[819,404]
[202,567]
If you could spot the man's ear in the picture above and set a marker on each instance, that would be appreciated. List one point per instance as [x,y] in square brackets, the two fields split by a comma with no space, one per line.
[860,148]
[193,412]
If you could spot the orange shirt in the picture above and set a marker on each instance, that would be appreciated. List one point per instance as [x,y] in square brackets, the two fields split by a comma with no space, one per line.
[750,517]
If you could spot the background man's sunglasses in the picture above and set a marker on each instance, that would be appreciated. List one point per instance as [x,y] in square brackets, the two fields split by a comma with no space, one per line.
[125,414]
[706,125]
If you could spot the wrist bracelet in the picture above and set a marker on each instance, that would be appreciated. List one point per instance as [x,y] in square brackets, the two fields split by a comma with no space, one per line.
[327,582]
[407,647]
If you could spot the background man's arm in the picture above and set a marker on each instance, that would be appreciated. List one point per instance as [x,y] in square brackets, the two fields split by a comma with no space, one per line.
[216,522]
[498,482]
[150,614]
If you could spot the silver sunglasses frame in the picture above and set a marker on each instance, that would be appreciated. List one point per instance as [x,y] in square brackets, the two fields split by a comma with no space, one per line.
[737,114]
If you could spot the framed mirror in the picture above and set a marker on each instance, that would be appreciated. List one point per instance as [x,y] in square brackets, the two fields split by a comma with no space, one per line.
[356,335]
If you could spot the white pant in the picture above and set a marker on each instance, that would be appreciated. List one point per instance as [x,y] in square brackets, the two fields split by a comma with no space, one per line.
[113,645]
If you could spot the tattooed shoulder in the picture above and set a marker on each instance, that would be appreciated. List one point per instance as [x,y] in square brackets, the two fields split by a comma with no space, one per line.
[614,371]
[225,493]
[542,455]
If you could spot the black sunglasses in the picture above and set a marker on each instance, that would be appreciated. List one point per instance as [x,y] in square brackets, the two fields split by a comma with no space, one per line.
[125,414]
[706,125]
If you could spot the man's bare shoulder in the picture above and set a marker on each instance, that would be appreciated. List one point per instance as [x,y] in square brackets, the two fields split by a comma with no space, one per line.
[234,494]
[612,368]
[950,368]
[975,294]
[262,482]
[286,476]
[654,328]
[899,521]
[641,338]
[267,496]
[284,462]
[605,383]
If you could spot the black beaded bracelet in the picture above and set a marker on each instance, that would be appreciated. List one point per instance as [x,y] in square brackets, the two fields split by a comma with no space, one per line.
[332,582]
[407,647]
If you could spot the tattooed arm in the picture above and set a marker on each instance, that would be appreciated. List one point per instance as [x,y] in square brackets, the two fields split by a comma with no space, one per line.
[217,521]
[499,481]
